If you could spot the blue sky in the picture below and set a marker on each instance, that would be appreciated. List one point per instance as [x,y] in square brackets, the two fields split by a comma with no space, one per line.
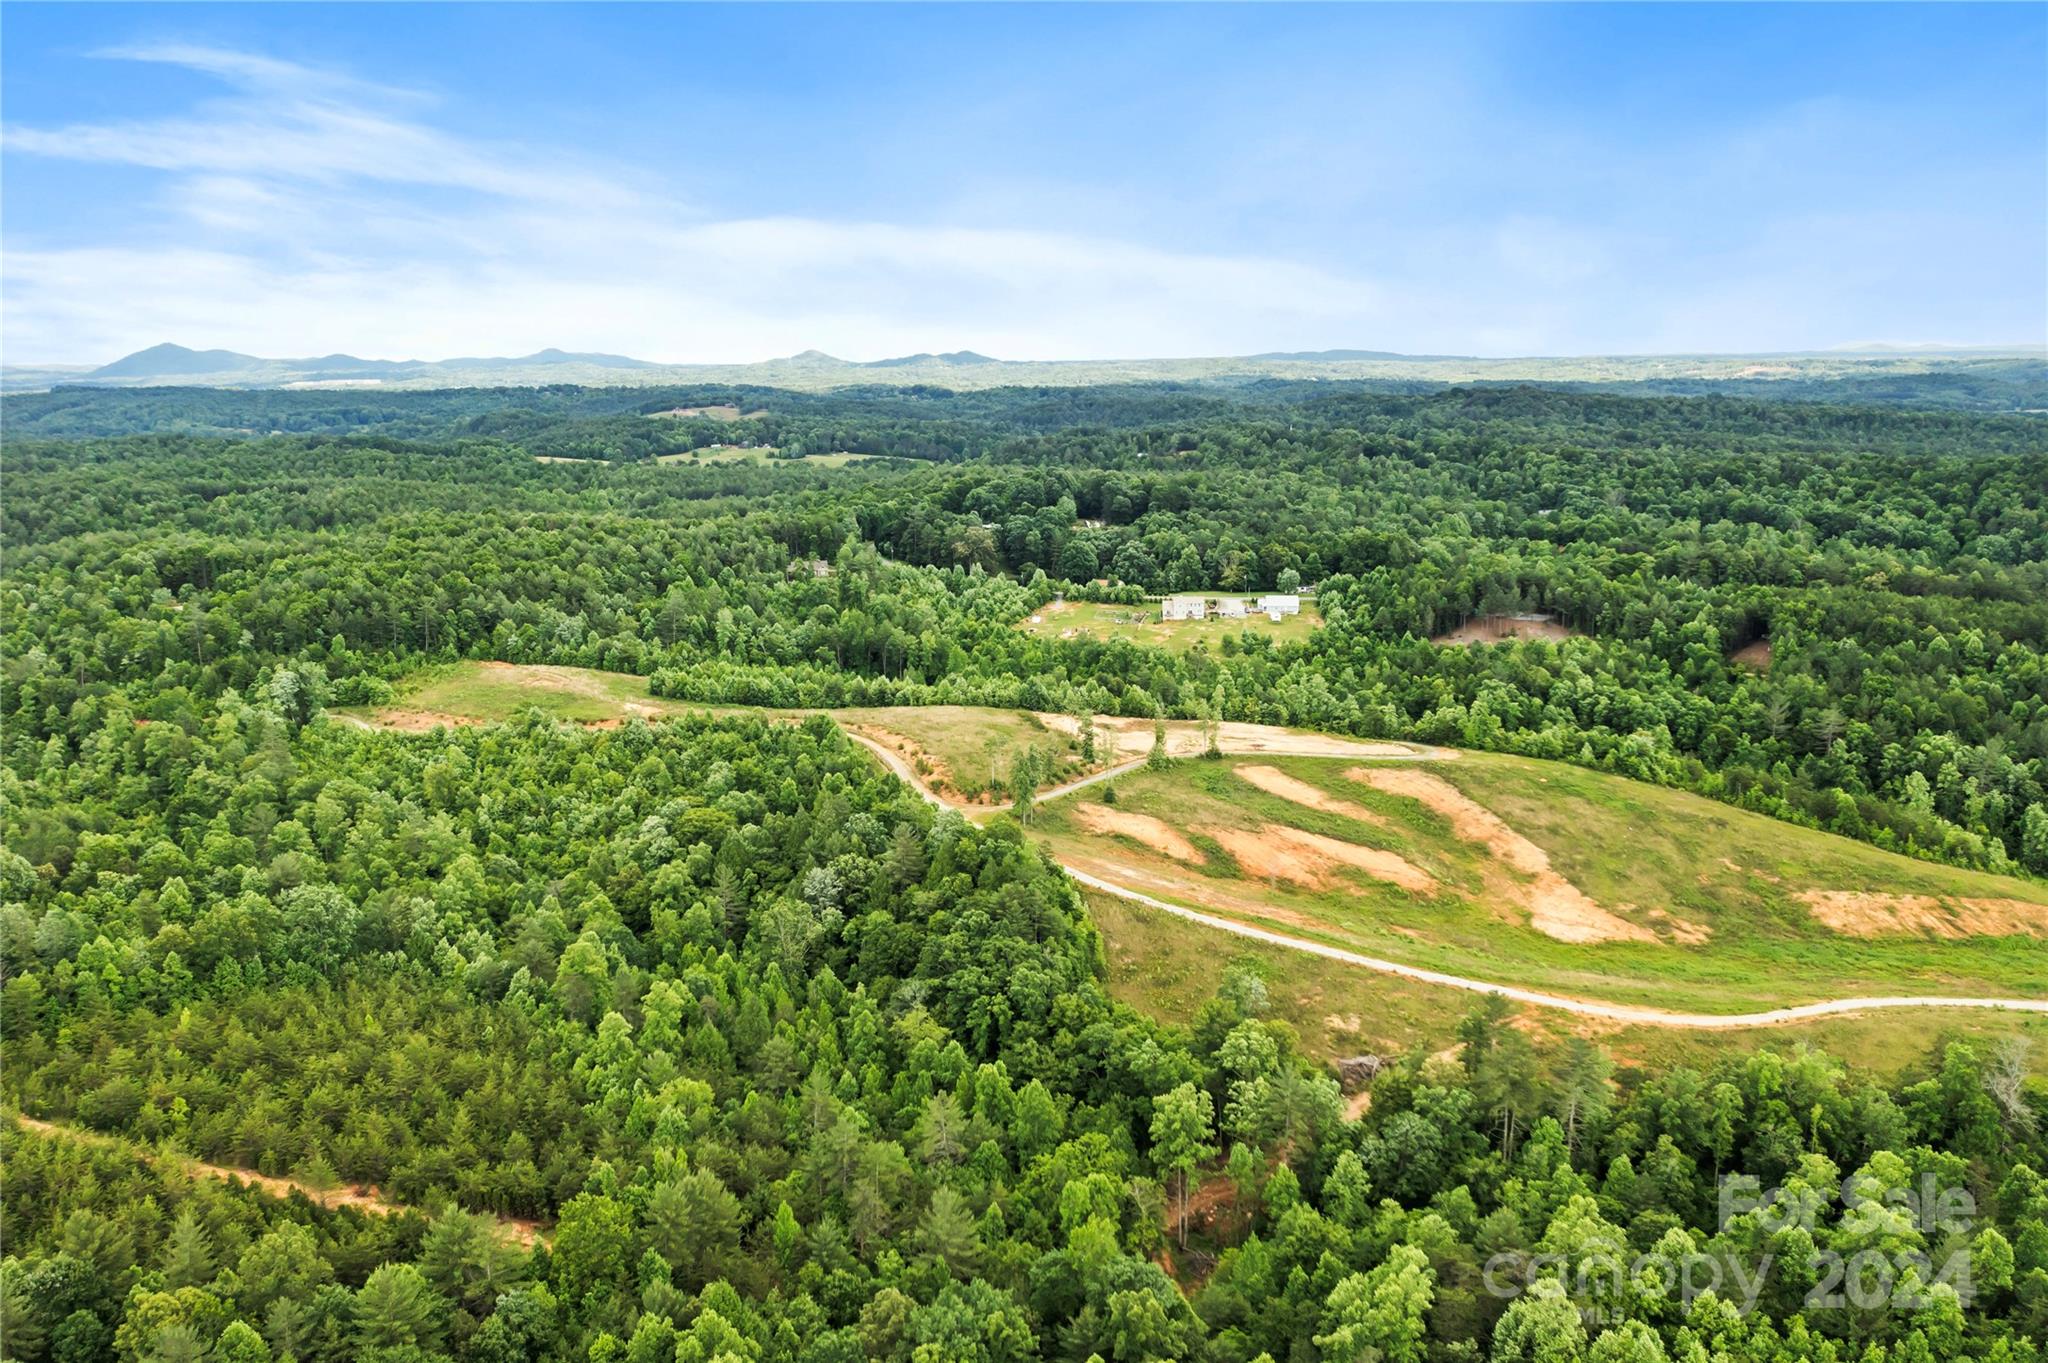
[730,183]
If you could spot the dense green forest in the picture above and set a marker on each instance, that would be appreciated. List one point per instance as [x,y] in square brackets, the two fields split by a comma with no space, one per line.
[1896,563]
[791,1067]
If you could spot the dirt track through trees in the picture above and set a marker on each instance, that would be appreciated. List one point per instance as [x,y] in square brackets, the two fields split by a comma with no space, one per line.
[517,1229]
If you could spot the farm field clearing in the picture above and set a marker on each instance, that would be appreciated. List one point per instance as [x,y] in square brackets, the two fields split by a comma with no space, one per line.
[723,411]
[952,749]
[1494,629]
[1553,878]
[758,455]
[1140,624]
[948,748]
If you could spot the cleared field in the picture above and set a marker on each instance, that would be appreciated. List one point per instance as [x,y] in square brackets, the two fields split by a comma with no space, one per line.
[1140,624]
[717,412]
[758,454]
[952,749]
[1553,878]
[488,692]
[963,753]
[1126,738]
[1494,629]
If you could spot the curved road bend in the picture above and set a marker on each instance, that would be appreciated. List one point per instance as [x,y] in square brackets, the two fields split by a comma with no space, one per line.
[1612,1012]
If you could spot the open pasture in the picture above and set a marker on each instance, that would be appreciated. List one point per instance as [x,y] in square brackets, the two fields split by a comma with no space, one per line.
[1556,878]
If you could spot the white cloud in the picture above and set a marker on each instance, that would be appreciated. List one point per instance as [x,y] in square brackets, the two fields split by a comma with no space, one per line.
[303,211]
[307,211]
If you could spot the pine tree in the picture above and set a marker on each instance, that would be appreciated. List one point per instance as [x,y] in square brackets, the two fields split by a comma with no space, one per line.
[1182,1124]
[395,1307]
[316,1173]
[788,1235]
[188,1254]
[948,1232]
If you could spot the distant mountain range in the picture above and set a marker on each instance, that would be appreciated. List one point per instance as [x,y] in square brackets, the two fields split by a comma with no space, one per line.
[175,364]
[167,364]
[168,361]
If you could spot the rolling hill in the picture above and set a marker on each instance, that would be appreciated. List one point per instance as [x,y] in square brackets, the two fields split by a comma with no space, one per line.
[1992,379]
[1531,874]
[1553,877]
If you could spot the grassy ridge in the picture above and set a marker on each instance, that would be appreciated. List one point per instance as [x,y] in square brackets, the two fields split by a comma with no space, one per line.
[954,748]
[1635,849]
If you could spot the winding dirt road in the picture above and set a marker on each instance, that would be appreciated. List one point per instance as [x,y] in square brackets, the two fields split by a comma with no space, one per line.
[1591,1008]
[902,771]
[1612,1012]
[1267,740]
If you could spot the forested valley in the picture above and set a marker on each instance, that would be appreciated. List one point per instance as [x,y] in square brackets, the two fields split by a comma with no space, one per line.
[777,1062]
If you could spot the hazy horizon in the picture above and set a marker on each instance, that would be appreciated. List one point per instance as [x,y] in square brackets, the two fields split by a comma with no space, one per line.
[304,354]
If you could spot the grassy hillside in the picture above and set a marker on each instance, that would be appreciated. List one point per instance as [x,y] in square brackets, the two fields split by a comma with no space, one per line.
[1169,968]
[953,748]
[1649,895]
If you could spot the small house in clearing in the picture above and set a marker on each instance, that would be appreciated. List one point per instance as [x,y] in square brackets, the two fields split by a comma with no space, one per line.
[1280,603]
[1230,608]
[1184,608]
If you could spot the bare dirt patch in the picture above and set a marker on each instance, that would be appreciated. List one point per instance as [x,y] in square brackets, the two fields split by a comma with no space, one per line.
[1493,629]
[1867,913]
[1268,859]
[1755,655]
[1378,864]
[1470,820]
[1198,892]
[419,721]
[1276,782]
[725,412]
[1161,837]
[1277,852]
[1557,908]
[1680,930]
[925,770]
[539,677]
[1267,738]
